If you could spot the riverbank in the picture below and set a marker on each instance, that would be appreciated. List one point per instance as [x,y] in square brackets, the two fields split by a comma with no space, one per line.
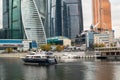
[56,54]
[12,55]
[79,54]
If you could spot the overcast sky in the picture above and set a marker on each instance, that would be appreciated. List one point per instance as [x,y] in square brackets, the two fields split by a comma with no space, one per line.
[87,14]
[0,13]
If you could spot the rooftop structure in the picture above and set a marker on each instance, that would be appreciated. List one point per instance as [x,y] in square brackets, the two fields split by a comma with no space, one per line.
[59,40]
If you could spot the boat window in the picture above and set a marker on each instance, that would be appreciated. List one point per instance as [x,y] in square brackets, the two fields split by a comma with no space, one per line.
[48,56]
[107,54]
[43,56]
[38,57]
[28,56]
[112,53]
[117,53]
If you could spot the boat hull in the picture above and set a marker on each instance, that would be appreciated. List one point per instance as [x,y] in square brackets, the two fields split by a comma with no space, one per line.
[40,61]
[113,57]
[101,57]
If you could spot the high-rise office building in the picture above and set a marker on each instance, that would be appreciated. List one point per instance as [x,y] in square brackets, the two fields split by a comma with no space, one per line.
[25,19]
[72,18]
[51,18]
[12,23]
[58,18]
[2,34]
[102,15]
[67,17]
[33,18]
[48,20]
[66,21]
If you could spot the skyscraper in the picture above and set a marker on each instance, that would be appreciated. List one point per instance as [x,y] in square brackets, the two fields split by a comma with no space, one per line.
[66,20]
[12,23]
[102,15]
[67,17]
[73,11]
[48,20]
[33,18]
[51,17]
[25,19]
[58,18]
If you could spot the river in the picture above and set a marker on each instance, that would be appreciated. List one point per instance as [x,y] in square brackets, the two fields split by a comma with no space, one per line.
[14,69]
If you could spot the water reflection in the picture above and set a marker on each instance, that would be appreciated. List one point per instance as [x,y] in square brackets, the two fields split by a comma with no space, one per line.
[70,71]
[117,71]
[2,77]
[10,69]
[35,73]
[105,71]
[13,69]
[90,71]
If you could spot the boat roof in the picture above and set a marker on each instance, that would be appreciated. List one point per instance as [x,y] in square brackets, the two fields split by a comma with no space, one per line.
[36,54]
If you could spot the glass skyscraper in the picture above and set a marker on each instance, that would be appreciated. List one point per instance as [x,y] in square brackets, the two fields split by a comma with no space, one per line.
[58,18]
[33,18]
[12,23]
[74,17]
[67,17]
[25,19]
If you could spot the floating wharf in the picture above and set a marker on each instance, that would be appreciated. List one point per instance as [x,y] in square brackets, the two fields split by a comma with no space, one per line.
[109,52]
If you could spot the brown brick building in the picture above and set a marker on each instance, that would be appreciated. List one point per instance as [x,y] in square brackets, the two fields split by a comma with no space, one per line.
[102,15]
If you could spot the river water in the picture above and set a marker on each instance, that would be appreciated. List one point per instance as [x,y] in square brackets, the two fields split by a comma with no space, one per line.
[14,69]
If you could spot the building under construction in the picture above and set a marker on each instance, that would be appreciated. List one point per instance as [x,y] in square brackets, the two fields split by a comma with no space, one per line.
[102,15]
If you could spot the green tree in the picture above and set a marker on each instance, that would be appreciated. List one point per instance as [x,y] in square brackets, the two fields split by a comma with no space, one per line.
[9,50]
[113,44]
[59,48]
[102,45]
[95,45]
[98,45]
[46,47]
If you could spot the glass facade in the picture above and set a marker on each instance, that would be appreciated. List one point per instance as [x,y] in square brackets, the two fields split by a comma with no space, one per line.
[25,19]
[66,21]
[15,22]
[51,17]
[12,23]
[33,18]
[5,17]
[67,17]
[11,19]
[41,4]
[50,20]
[5,13]
[75,17]
[58,18]
[2,34]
